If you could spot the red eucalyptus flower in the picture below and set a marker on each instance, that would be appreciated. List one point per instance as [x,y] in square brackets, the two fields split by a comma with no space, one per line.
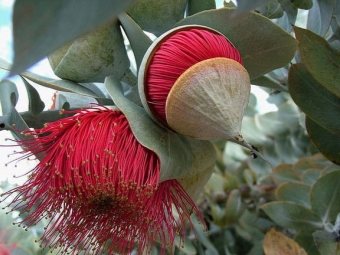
[99,187]
[177,54]
[192,81]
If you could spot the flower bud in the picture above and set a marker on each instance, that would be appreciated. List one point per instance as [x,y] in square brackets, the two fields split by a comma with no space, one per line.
[192,81]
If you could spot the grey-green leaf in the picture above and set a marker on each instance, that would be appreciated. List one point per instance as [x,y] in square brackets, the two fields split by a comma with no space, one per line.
[61,85]
[35,104]
[315,100]
[320,16]
[139,41]
[292,215]
[40,27]
[195,6]
[319,59]
[295,192]
[326,243]
[325,196]
[245,6]
[327,142]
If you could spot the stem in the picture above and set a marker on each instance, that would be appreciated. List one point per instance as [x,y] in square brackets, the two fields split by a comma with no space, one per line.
[240,140]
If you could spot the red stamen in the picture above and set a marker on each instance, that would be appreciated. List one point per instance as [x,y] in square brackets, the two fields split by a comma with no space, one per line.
[175,55]
[99,187]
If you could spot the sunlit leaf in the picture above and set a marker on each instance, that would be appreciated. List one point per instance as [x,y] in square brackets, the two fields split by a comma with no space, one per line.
[41,27]
[327,142]
[292,215]
[325,196]
[314,99]
[319,59]
[263,45]
[320,15]
[277,243]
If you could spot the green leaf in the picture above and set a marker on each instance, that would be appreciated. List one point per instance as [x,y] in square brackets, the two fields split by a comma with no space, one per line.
[8,96]
[284,173]
[268,82]
[319,59]
[263,45]
[294,192]
[289,16]
[179,156]
[285,147]
[22,241]
[245,6]
[11,119]
[292,215]
[303,4]
[92,57]
[41,27]
[61,85]
[234,206]
[327,142]
[306,240]
[289,115]
[251,132]
[35,105]
[203,238]
[269,124]
[195,6]
[325,196]
[157,16]
[326,243]
[272,9]
[310,176]
[317,102]
[320,16]
[139,41]
[185,246]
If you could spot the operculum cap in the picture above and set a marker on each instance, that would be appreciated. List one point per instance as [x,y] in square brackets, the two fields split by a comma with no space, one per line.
[209,99]
[92,57]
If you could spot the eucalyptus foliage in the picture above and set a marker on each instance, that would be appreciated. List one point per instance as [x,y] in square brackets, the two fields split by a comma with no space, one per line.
[297,190]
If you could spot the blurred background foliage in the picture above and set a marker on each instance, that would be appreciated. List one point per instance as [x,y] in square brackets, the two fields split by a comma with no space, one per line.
[297,191]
